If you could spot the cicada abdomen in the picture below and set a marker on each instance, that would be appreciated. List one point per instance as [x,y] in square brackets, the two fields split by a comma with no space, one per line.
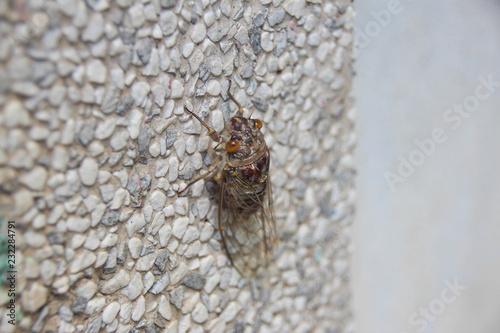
[246,219]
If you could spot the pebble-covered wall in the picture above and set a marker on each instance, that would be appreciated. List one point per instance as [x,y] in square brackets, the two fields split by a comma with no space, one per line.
[95,147]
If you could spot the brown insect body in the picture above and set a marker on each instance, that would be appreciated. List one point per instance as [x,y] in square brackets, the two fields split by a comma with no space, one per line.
[246,219]
[248,167]
[245,197]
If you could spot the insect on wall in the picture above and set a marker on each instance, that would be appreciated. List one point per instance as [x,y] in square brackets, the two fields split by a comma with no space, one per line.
[245,210]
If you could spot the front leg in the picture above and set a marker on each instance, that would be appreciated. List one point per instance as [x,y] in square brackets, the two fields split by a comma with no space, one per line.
[211,132]
[211,170]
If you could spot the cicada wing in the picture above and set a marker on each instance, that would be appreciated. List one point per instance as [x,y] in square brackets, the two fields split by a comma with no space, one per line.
[248,237]
[270,226]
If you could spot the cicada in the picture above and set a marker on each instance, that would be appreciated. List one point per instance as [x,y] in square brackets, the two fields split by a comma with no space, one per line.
[245,209]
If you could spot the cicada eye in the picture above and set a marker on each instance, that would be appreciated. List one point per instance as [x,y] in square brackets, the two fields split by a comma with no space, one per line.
[258,123]
[232,146]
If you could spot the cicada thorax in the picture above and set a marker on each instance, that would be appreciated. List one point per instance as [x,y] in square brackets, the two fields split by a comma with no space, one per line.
[247,168]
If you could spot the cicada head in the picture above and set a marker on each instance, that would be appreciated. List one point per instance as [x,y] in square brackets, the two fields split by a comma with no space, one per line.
[245,138]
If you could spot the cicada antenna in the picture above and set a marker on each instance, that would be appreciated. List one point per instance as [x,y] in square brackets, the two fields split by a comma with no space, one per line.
[240,108]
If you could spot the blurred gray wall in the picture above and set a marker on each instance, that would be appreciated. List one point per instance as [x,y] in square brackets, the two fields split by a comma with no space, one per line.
[427,236]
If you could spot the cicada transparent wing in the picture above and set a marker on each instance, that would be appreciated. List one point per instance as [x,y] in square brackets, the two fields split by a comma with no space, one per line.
[247,224]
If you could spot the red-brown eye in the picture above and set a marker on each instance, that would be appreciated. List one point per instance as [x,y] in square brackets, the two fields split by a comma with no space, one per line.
[258,123]
[232,146]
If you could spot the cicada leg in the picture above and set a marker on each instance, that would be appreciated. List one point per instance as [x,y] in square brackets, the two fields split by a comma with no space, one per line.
[211,169]
[216,138]
[211,132]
